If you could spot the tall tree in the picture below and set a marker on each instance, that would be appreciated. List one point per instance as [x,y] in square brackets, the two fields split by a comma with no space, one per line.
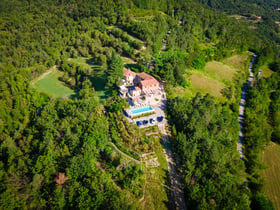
[115,70]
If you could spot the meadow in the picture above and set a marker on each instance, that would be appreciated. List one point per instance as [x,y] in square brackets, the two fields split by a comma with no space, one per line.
[50,84]
[266,71]
[213,78]
[271,157]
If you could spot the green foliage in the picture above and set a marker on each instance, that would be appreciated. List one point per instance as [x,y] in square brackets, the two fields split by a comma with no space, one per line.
[42,136]
[115,71]
[275,108]
[260,126]
[206,134]
[185,84]
[261,202]
[198,63]
[251,9]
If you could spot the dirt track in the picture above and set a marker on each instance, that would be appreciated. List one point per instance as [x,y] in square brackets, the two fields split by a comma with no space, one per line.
[176,186]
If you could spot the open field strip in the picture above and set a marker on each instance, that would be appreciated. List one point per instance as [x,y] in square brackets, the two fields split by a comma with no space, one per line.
[220,71]
[271,157]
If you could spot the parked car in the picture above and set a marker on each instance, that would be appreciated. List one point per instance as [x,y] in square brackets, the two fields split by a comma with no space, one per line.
[159,119]
[139,123]
[152,120]
[145,122]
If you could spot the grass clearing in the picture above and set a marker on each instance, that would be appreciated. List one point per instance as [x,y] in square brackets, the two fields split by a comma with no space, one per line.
[203,84]
[220,71]
[271,157]
[50,84]
[127,60]
[213,78]
[99,76]
[266,71]
[238,61]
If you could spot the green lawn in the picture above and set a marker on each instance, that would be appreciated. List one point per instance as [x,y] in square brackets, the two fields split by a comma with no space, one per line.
[271,158]
[99,77]
[238,61]
[50,84]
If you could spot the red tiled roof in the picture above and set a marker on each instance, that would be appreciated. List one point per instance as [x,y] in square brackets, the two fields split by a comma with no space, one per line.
[127,72]
[149,82]
[145,76]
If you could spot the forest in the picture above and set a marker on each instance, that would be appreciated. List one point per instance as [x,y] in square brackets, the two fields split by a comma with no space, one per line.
[56,152]
[205,138]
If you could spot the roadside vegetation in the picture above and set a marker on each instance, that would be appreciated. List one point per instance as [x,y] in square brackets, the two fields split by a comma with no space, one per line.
[266,71]
[261,126]
[205,137]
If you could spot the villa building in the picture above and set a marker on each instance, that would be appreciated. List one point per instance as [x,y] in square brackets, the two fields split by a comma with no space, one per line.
[145,95]
[146,82]
[138,84]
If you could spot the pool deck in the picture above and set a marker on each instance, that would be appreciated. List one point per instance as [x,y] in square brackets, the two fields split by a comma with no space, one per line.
[159,111]
[156,99]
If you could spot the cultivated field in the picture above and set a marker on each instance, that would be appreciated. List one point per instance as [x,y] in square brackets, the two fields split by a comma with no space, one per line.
[50,84]
[271,158]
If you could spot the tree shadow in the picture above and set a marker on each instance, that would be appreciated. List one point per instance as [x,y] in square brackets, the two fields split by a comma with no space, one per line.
[98,80]
[74,95]
[133,67]
[167,187]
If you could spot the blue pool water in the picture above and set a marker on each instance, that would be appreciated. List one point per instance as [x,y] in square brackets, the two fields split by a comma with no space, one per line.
[141,110]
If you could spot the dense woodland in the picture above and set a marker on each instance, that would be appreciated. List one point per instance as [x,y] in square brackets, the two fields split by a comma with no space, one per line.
[56,153]
[261,126]
[206,138]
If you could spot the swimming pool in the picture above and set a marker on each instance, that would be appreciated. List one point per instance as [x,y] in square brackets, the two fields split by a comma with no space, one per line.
[141,110]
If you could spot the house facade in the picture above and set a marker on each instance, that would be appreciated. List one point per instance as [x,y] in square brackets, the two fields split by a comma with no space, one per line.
[147,82]
[129,76]
[142,84]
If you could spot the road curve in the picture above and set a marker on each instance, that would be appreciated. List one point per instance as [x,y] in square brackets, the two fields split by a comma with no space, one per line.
[242,106]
